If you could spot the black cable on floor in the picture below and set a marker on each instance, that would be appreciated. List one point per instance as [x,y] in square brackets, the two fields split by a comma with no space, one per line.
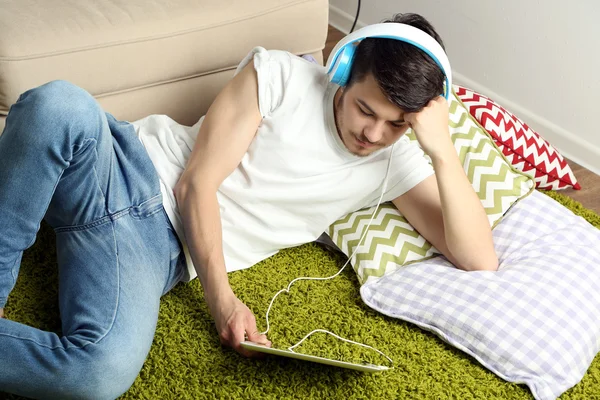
[355,19]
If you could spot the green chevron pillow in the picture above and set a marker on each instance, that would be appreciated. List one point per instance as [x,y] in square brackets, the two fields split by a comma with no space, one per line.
[392,242]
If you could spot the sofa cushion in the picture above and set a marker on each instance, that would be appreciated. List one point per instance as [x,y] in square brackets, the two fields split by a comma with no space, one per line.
[112,47]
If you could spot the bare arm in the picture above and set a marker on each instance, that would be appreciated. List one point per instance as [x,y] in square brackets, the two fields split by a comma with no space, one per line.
[467,231]
[225,135]
[444,208]
[449,225]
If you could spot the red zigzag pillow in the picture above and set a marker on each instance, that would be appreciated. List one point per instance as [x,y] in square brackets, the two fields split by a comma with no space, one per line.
[523,147]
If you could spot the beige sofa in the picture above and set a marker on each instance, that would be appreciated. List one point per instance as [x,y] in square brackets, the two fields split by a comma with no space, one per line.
[141,57]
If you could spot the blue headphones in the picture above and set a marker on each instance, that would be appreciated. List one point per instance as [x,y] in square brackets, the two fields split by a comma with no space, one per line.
[340,60]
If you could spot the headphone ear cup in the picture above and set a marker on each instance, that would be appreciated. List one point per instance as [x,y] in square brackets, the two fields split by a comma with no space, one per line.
[343,65]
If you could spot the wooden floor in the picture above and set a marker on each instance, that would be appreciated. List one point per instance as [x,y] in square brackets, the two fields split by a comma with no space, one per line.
[589,195]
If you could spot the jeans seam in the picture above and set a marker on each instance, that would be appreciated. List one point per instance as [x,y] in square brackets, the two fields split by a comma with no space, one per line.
[14,277]
[12,272]
[176,280]
[110,325]
[98,181]
[74,227]
[45,345]
[110,217]
[97,222]
[81,146]
[147,214]
[114,317]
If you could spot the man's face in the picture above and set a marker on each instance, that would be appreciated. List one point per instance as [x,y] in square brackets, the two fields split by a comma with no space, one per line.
[365,119]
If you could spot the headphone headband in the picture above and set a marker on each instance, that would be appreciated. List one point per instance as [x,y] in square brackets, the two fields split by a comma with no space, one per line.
[339,62]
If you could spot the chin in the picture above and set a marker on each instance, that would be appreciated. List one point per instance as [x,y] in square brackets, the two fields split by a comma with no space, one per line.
[364,152]
[361,152]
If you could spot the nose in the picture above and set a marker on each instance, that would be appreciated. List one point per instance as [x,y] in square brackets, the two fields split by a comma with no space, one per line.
[374,132]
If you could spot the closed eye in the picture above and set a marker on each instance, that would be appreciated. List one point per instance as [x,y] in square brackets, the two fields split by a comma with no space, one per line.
[396,125]
[364,112]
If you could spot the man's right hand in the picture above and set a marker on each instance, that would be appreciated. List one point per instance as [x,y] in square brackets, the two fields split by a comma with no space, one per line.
[235,322]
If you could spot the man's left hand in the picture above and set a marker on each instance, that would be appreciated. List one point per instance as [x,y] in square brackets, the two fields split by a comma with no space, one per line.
[431,127]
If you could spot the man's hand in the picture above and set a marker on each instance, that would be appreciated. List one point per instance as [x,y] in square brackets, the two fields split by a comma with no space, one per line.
[234,320]
[431,127]
[1,312]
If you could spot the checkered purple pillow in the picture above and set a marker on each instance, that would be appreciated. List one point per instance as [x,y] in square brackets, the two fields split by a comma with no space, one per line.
[534,321]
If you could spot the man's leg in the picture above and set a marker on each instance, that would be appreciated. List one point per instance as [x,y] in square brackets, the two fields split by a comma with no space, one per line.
[61,158]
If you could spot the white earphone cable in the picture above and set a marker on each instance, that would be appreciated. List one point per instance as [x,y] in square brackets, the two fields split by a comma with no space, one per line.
[337,273]
[341,338]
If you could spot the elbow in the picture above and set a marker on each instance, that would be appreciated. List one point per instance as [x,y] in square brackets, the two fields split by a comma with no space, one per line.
[180,190]
[192,191]
[488,266]
[486,263]
[183,192]
[479,261]
[477,255]
[186,187]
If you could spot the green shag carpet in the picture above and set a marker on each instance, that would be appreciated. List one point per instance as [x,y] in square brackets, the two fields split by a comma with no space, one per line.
[187,361]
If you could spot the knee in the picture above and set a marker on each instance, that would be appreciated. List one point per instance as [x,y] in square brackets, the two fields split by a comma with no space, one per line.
[58,101]
[58,96]
[53,108]
[105,376]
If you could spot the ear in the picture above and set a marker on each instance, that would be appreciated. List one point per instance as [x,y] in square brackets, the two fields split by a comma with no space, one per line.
[339,95]
[345,88]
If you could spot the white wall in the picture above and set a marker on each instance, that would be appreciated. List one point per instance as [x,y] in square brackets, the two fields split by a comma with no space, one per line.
[539,59]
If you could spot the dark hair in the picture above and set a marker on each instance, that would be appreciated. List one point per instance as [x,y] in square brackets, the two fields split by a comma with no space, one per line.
[408,77]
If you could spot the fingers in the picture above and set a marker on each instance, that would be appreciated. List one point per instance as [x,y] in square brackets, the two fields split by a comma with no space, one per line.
[434,104]
[238,336]
[1,312]
[240,328]
[256,337]
[410,117]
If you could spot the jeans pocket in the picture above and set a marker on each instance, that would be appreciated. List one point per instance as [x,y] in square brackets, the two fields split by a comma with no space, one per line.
[147,208]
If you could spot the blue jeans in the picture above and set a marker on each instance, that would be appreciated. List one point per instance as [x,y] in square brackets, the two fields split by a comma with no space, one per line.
[64,160]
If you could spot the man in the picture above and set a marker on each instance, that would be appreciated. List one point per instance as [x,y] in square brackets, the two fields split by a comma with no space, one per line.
[280,155]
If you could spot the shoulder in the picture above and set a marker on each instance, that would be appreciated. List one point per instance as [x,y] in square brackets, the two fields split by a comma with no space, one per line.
[282,63]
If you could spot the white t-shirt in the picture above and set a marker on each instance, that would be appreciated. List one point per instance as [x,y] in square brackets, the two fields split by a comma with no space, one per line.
[296,178]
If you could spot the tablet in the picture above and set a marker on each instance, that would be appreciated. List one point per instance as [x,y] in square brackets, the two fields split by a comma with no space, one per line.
[336,363]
